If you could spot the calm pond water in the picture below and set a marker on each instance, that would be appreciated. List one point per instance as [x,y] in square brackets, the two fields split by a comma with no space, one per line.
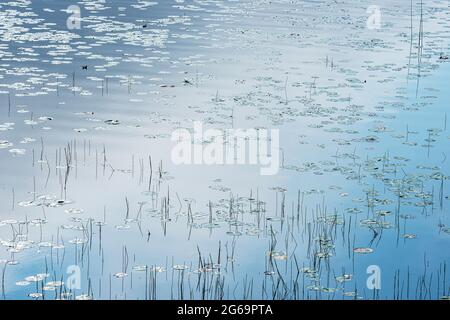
[94,207]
